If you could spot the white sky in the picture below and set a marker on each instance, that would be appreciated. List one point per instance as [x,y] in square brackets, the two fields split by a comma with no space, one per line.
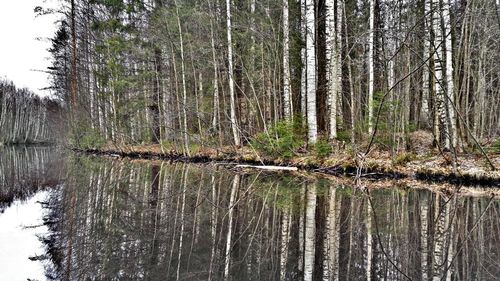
[21,54]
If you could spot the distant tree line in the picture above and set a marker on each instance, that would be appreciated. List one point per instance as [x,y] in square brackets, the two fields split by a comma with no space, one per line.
[26,117]
[219,72]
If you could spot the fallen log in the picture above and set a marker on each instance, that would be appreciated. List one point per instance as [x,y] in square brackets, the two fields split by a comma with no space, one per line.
[271,168]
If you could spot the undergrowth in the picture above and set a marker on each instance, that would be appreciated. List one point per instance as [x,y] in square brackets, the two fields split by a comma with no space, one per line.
[282,140]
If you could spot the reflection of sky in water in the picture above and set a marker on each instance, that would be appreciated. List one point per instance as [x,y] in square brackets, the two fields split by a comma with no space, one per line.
[18,243]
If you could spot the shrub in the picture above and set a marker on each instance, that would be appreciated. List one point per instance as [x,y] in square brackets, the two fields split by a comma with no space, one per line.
[344,136]
[322,148]
[91,139]
[281,140]
[299,127]
[168,145]
[404,158]
[194,148]
[495,146]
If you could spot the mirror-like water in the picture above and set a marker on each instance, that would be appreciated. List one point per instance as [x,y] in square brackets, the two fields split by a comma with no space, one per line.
[129,220]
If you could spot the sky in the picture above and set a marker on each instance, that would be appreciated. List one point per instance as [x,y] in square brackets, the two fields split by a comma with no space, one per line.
[22,56]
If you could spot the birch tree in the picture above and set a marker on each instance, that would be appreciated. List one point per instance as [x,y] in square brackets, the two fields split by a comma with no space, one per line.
[450,88]
[424,221]
[331,244]
[310,233]
[74,70]
[184,91]
[216,113]
[285,237]
[424,114]
[287,96]
[440,123]
[303,70]
[227,257]
[26,118]
[339,62]
[371,74]
[232,98]
[369,241]
[310,23]
[331,65]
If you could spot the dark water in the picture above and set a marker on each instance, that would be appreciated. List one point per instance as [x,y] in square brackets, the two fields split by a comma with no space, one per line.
[110,219]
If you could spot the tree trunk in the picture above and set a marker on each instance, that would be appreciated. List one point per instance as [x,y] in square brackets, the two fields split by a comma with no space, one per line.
[287,95]
[442,119]
[331,65]
[424,112]
[303,72]
[232,200]
[424,210]
[285,238]
[216,113]
[311,71]
[371,75]
[74,70]
[369,246]
[184,91]
[234,123]
[450,89]
[310,233]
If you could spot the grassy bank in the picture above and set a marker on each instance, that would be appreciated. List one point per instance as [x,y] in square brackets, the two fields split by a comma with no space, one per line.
[469,170]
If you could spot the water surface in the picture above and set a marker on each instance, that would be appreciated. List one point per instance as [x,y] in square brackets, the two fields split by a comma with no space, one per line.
[111,219]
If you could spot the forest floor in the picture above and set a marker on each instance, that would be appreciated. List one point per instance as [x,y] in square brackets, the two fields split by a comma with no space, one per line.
[426,165]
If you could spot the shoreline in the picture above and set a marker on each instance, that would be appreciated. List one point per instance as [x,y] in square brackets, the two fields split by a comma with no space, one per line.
[430,169]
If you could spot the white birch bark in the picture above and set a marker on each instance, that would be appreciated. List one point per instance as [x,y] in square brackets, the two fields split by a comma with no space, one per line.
[181,236]
[438,258]
[232,98]
[450,226]
[303,84]
[199,97]
[438,74]
[285,238]
[424,112]
[252,31]
[424,218]
[450,89]
[232,199]
[287,95]
[215,117]
[369,240]
[391,45]
[370,66]
[310,233]
[331,65]
[340,15]
[480,106]
[213,226]
[311,71]
[331,244]
[300,259]
[184,91]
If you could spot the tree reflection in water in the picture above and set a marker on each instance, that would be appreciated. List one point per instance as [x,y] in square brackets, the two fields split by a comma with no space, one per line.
[25,170]
[119,220]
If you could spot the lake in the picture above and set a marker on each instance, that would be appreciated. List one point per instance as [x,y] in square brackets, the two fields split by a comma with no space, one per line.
[72,217]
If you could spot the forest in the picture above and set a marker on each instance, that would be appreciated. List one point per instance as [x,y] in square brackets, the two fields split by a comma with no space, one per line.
[340,140]
[281,79]
[25,117]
